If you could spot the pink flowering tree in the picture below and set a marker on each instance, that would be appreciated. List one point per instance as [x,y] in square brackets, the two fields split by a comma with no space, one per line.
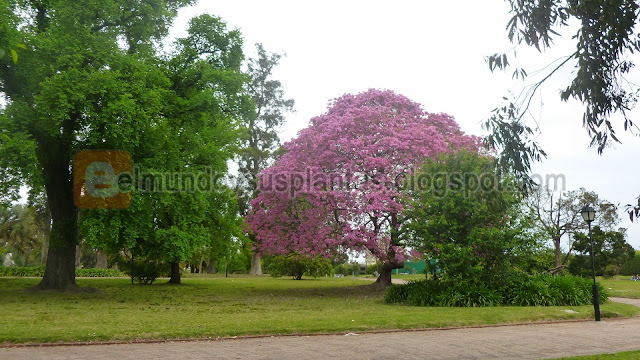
[339,186]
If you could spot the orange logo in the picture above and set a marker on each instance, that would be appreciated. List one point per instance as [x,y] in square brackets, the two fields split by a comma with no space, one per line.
[102,179]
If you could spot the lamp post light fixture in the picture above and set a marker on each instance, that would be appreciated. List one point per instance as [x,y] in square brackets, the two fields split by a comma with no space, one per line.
[589,214]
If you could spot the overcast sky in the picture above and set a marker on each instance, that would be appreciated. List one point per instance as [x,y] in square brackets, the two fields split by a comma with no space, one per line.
[432,52]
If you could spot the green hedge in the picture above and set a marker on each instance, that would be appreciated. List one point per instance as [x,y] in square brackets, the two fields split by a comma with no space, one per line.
[38,271]
[541,290]
[95,272]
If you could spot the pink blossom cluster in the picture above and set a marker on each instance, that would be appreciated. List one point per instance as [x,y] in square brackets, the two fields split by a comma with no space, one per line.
[359,152]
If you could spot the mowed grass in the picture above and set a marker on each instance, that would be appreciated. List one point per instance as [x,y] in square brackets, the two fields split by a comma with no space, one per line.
[238,305]
[622,286]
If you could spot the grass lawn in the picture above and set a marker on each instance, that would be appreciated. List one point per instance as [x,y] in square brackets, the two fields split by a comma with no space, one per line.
[626,355]
[622,286]
[238,305]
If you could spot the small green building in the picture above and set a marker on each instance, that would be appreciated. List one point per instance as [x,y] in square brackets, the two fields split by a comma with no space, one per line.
[416,267]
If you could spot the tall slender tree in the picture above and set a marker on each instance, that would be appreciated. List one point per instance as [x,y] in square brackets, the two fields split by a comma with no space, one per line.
[261,142]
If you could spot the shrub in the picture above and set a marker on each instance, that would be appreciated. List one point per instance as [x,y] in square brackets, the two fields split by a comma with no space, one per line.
[373,268]
[400,293]
[533,292]
[610,271]
[469,295]
[339,269]
[297,266]
[144,271]
[424,293]
[541,290]
[347,269]
[32,271]
[547,290]
[434,293]
[95,272]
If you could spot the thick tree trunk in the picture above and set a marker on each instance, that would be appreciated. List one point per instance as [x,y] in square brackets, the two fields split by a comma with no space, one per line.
[384,279]
[256,264]
[101,262]
[175,273]
[60,271]
[211,268]
[54,155]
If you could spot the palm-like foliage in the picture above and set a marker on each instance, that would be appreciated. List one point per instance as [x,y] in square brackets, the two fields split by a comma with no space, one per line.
[21,232]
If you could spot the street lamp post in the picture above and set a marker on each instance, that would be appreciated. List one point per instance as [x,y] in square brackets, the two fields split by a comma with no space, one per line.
[589,214]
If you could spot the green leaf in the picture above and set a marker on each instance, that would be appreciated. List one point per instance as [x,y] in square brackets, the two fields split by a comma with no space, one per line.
[14,56]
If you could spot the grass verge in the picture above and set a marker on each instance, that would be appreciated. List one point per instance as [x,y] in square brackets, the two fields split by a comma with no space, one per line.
[626,355]
[622,286]
[238,305]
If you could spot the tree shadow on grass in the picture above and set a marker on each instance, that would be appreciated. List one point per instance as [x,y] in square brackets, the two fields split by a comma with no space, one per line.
[69,289]
[355,291]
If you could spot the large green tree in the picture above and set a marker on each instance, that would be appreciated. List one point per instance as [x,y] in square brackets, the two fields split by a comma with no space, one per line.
[610,251]
[174,217]
[467,218]
[85,75]
[261,142]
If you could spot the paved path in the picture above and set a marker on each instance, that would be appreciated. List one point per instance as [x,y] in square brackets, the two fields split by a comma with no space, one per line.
[393,280]
[503,342]
[635,302]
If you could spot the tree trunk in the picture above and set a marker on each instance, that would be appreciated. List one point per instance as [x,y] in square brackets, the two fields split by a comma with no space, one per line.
[256,264]
[60,270]
[101,263]
[384,279]
[211,268]
[54,155]
[558,252]
[175,273]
